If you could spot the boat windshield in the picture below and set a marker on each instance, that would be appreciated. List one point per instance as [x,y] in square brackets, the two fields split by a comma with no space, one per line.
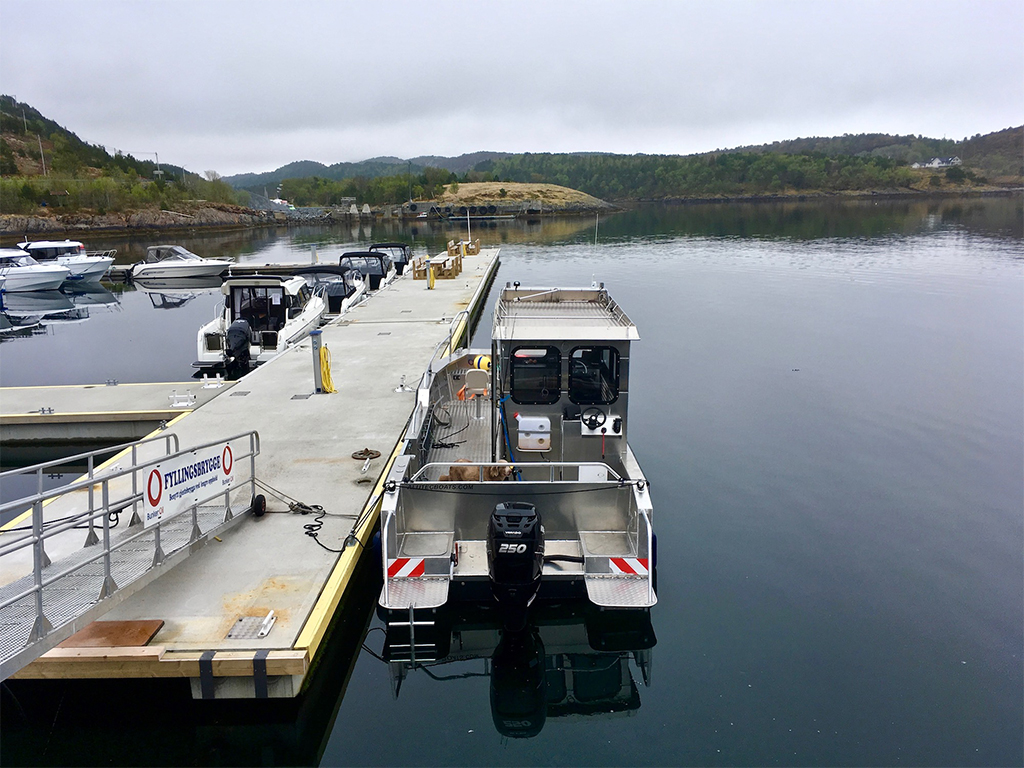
[50,251]
[17,260]
[395,251]
[170,253]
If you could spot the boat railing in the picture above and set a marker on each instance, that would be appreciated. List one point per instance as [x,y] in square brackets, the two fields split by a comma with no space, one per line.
[446,343]
[43,607]
[555,470]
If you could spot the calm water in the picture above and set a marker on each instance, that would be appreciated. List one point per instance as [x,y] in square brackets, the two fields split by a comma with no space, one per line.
[829,403]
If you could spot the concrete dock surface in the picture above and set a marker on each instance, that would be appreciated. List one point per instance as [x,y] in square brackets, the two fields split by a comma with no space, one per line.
[307,440]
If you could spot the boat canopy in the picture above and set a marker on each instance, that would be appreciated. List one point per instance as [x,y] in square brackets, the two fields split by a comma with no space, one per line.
[398,252]
[367,262]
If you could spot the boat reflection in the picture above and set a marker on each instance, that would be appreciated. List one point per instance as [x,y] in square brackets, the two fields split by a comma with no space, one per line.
[567,662]
[174,292]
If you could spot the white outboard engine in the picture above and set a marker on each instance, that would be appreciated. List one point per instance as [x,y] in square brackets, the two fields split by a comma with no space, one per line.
[236,347]
[515,559]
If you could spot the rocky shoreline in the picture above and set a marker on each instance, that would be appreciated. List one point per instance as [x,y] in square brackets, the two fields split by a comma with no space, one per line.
[225,216]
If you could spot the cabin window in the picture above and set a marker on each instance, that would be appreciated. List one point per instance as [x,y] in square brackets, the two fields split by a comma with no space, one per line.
[536,375]
[594,375]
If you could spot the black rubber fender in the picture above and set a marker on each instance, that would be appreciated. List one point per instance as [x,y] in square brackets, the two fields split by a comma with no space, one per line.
[258,505]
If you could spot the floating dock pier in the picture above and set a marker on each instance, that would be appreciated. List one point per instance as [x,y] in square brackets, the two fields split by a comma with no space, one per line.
[240,604]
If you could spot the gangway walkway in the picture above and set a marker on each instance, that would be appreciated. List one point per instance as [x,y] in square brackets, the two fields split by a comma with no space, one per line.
[73,558]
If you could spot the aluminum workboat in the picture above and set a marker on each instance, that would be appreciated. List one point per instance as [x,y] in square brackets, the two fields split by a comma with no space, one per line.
[516,480]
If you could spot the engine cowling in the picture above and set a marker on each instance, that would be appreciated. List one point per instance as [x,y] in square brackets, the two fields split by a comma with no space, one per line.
[236,346]
[515,559]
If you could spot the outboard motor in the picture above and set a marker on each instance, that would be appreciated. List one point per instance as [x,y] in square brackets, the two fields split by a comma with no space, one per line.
[519,703]
[236,347]
[515,559]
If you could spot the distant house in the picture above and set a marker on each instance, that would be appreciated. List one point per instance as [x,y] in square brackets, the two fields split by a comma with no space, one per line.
[939,162]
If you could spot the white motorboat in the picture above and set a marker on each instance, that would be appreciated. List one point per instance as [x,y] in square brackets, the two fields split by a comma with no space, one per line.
[262,316]
[518,483]
[376,266]
[163,261]
[342,287]
[23,273]
[83,265]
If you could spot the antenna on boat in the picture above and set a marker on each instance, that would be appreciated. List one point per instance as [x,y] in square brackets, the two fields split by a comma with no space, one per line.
[597,223]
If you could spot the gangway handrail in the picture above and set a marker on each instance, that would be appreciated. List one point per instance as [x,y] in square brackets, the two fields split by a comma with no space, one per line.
[116,450]
[615,476]
[42,629]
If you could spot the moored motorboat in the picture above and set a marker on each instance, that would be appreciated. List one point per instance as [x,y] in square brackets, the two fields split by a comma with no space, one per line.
[376,266]
[519,483]
[71,254]
[262,316]
[163,261]
[23,273]
[342,287]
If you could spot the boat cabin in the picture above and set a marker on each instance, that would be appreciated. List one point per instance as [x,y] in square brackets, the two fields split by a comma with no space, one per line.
[375,265]
[15,257]
[399,253]
[266,303]
[51,250]
[562,367]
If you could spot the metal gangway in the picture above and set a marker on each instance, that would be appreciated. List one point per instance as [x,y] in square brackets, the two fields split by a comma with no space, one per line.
[68,558]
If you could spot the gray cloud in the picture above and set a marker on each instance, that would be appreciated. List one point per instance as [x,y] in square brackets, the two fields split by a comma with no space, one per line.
[247,86]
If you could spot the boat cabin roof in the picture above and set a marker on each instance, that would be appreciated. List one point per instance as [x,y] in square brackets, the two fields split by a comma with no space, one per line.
[169,253]
[290,283]
[31,245]
[569,314]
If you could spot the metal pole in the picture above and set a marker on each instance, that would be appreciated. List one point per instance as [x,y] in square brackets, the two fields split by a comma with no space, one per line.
[41,626]
[109,585]
[318,383]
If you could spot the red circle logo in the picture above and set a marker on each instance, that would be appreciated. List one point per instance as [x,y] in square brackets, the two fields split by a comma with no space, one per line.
[227,460]
[157,494]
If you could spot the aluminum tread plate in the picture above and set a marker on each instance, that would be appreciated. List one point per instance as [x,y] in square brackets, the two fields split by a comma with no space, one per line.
[620,591]
[418,593]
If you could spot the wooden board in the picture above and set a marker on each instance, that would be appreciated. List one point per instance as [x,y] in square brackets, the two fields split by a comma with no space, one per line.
[114,634]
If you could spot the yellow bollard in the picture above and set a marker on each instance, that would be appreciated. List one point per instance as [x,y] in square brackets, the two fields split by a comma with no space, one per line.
[430,277]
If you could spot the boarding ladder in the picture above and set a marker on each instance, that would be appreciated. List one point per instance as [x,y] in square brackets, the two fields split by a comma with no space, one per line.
[67,556]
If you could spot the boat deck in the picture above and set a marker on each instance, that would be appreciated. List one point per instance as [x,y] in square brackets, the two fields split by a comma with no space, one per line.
[307,442]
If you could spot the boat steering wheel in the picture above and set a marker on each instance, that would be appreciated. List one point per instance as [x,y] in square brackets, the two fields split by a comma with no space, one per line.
[593,417]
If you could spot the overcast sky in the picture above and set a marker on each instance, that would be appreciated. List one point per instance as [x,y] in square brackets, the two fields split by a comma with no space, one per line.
[251,85]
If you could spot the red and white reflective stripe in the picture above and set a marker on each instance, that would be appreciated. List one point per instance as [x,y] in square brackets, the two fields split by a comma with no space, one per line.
[635,566]
[406,566]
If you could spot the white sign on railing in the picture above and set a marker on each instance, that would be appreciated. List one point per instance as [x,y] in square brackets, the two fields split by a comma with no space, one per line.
[175,485]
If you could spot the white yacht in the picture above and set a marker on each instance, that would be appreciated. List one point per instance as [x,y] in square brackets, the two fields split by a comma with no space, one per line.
[342,287]
[23,273]
[163,261]
[262,316]
[516,480]
[82,264]
[377,267]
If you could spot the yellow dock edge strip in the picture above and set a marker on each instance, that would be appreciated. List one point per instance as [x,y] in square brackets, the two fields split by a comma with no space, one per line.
[112,460]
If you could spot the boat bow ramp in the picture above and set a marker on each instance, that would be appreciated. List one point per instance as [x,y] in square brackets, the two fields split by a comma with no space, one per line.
[239,603]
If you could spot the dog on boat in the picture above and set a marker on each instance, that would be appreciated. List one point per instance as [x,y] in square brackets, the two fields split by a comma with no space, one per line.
[463,474]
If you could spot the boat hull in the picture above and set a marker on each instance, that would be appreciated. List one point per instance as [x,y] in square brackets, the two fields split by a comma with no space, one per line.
[41,278]
[211,268]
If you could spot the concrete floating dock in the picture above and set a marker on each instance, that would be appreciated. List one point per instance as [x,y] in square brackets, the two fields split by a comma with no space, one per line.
[272,563]
[97,413]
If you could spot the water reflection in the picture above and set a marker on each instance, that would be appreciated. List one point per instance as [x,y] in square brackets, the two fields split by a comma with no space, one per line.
[24,314]
[569,662]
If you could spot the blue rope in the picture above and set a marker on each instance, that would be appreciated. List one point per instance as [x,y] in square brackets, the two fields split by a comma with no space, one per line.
[508,440]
